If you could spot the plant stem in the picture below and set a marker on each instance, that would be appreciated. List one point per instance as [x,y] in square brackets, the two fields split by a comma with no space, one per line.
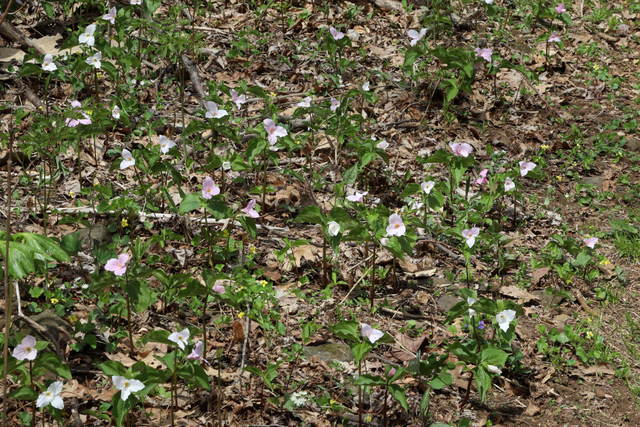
[372,293]
[8,297]
[359,395]
[174,397]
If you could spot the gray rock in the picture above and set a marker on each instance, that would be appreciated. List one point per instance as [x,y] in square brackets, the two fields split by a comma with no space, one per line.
[329,352]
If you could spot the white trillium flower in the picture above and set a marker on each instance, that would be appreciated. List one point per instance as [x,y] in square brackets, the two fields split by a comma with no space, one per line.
[95,60]
[213,112]
[505,318]
[427,186]
[333,228]
[494,369]
[51,396]
[166,144]
[87,35]
[365,87]
[126,386]
[180,338]
[226,165]
[470,301]
[127,159]
[47,63]
[115,112]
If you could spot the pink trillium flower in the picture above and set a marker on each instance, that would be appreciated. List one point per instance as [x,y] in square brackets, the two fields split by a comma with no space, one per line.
[250,209]
[239,100]
[273,131]
[117,265]
[396,227]
[127,159]
[209,188]
[384,241]
[196,353]
[305,103]
[358,197]
[218,289]
[75,122]
[591,242]
[560,8]
[509,184]
[336,34]
[392,372]
[525,167]
[416,36]
[461,149]
[554,37]
[372,334]
[334,104]
[496,63]
[484,53]
[470,235]
[483,178]
[26,349]
[111,16]
[47,63]
[383,145]
[213,112]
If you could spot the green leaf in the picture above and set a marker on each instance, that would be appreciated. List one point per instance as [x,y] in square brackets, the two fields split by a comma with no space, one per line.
[410,189]
[21,259]
[190,203]
[360,349]
[248,224]
[111,368]
[71,243]
[160,336]
[346,329]
[399,394]
[194,375]
[483,381]
[369,380]
[350,175]
[195,126]
[53,364]
[121,407]
[24,393]
[412,54]
[311,214]
[494,356]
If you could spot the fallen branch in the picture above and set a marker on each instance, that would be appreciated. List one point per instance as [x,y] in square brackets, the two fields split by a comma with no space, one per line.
[10,32]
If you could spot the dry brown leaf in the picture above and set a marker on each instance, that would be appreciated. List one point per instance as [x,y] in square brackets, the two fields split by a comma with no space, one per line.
[238,332]
[521,295]
[538,274]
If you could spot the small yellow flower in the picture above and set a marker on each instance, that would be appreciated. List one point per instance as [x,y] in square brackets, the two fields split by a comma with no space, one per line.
[544,147]
[73,318]
[124,222]
[589,335]
[225,233]
[54,300]
[241,314]
[559,178]
[89,112]
[99,75]
[596,67]
[252,249]
[298,142]
[272,95]
[70,193]
[589,320]
[332,402]
[368,419]
[605,262]
[96,183]
[263,283]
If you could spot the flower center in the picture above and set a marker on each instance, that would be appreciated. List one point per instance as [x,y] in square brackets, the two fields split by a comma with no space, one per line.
[28,348]
[126,383]
[397,226]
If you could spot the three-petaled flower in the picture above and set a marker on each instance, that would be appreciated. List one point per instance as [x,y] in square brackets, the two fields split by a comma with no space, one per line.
[196,353]
[358,197]
[166,144]
[505,318]
[51,396]
[209,188]
[427,186]
[213,112]
[111,16]
[115,112]
[416,36]
[26,349]
[365,86]
[117,265]
[126,386]
[372,334]
[461,149]
[336,34]
[47,63]
[180,338]
[560,8]
[554,37]
[250,209]
[127,159]
[483,178]
[87,35]
[396,227]
[470,235]
[525,167]
[333,228]
[334,104]
[591,242]
[509,184]
[484,53]
[239,100]
[273,131]
[95,60]
[305,103]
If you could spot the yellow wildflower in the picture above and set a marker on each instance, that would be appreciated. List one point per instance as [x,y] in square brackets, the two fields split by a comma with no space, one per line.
[124,222]
[544,147]
[252,249]
[241,314]
[73,318]
[596,67]
[589,335]
[263,283]
[54,300]
[70,193]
